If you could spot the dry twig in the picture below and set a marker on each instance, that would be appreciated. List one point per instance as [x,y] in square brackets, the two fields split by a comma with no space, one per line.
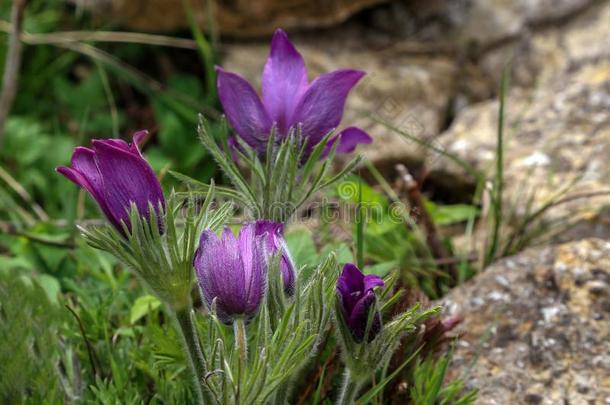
[12,64]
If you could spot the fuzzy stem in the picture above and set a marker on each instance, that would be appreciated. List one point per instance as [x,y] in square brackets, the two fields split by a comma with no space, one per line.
[241,341]
[349,389]
[191,346]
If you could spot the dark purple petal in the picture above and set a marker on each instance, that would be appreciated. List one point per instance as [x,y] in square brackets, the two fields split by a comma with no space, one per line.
[255,266]
[350,285]
[127,178]
[234,147]
[85,173]
[218,269]
[359,317]
[137,140]
[116,174]
[358,298]
[231,271]
[348,139]
[288,273]
[320,109]
[273,233]
[371,281]
[244,109]
[284,80]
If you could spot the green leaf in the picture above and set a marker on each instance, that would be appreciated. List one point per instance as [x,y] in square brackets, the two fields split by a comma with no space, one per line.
[302,248]
[381,269]
[142,307]
[50,285]
[376,389]
[450,214]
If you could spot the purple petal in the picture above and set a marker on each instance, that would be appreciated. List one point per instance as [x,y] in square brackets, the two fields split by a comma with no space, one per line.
[371,281]
[220,273]
[350,285]
[320,109]
[85,173]
[126,178]
[244,109]
[288,273]
[216,267]
[359,317]
[137,140]
[254,265]
[348,139]
[231,271]
[273,234]
[284,80]
[272,231]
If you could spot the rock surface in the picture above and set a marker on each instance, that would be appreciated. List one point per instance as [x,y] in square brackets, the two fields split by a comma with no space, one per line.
[537,327]
[557,133]
[234,17]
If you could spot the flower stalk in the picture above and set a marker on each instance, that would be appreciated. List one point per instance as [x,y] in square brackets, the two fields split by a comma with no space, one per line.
[241,342]
[349,389]
[192,349]
[239,328]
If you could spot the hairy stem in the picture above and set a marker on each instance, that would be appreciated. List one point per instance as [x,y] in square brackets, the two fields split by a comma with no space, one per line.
[349,390]
[191,346]
[241,341]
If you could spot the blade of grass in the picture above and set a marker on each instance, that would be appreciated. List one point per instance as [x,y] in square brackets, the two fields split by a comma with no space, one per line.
[499,175]
[375,390]
[114,115]
[459,161]
[205,51]
[360,229]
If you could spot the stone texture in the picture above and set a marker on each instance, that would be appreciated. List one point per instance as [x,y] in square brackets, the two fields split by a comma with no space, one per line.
[557,133]
[234,17]
[537,327]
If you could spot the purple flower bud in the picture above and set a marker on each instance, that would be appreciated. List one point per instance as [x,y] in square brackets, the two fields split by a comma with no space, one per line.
[275,243]
[288,99]
[116,175]
[232,271]
[357,295]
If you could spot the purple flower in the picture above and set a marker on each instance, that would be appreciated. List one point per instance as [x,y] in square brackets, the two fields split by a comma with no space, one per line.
[273,232]
[357,295]
[232,271]
[289,100]
[116,175]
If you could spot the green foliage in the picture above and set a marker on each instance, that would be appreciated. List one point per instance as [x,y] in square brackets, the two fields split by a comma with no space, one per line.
[393,239]
[29,353]
[429,386]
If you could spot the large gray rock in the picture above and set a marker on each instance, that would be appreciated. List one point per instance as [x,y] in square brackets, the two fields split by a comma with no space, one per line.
[557,132]
[537,327]
[234,17]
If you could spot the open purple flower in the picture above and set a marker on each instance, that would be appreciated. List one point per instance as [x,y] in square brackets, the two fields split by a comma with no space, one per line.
[116,175]
[289,100]
[276,244]
[357,295]
[232,271]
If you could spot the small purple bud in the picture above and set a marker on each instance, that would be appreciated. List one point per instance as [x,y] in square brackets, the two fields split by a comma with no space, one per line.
[357,295]
[232,271]
[273,232]
[116,175]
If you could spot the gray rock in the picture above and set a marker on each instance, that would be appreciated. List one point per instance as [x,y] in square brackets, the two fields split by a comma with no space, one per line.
[541,335]
[557,132]
[235,17]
